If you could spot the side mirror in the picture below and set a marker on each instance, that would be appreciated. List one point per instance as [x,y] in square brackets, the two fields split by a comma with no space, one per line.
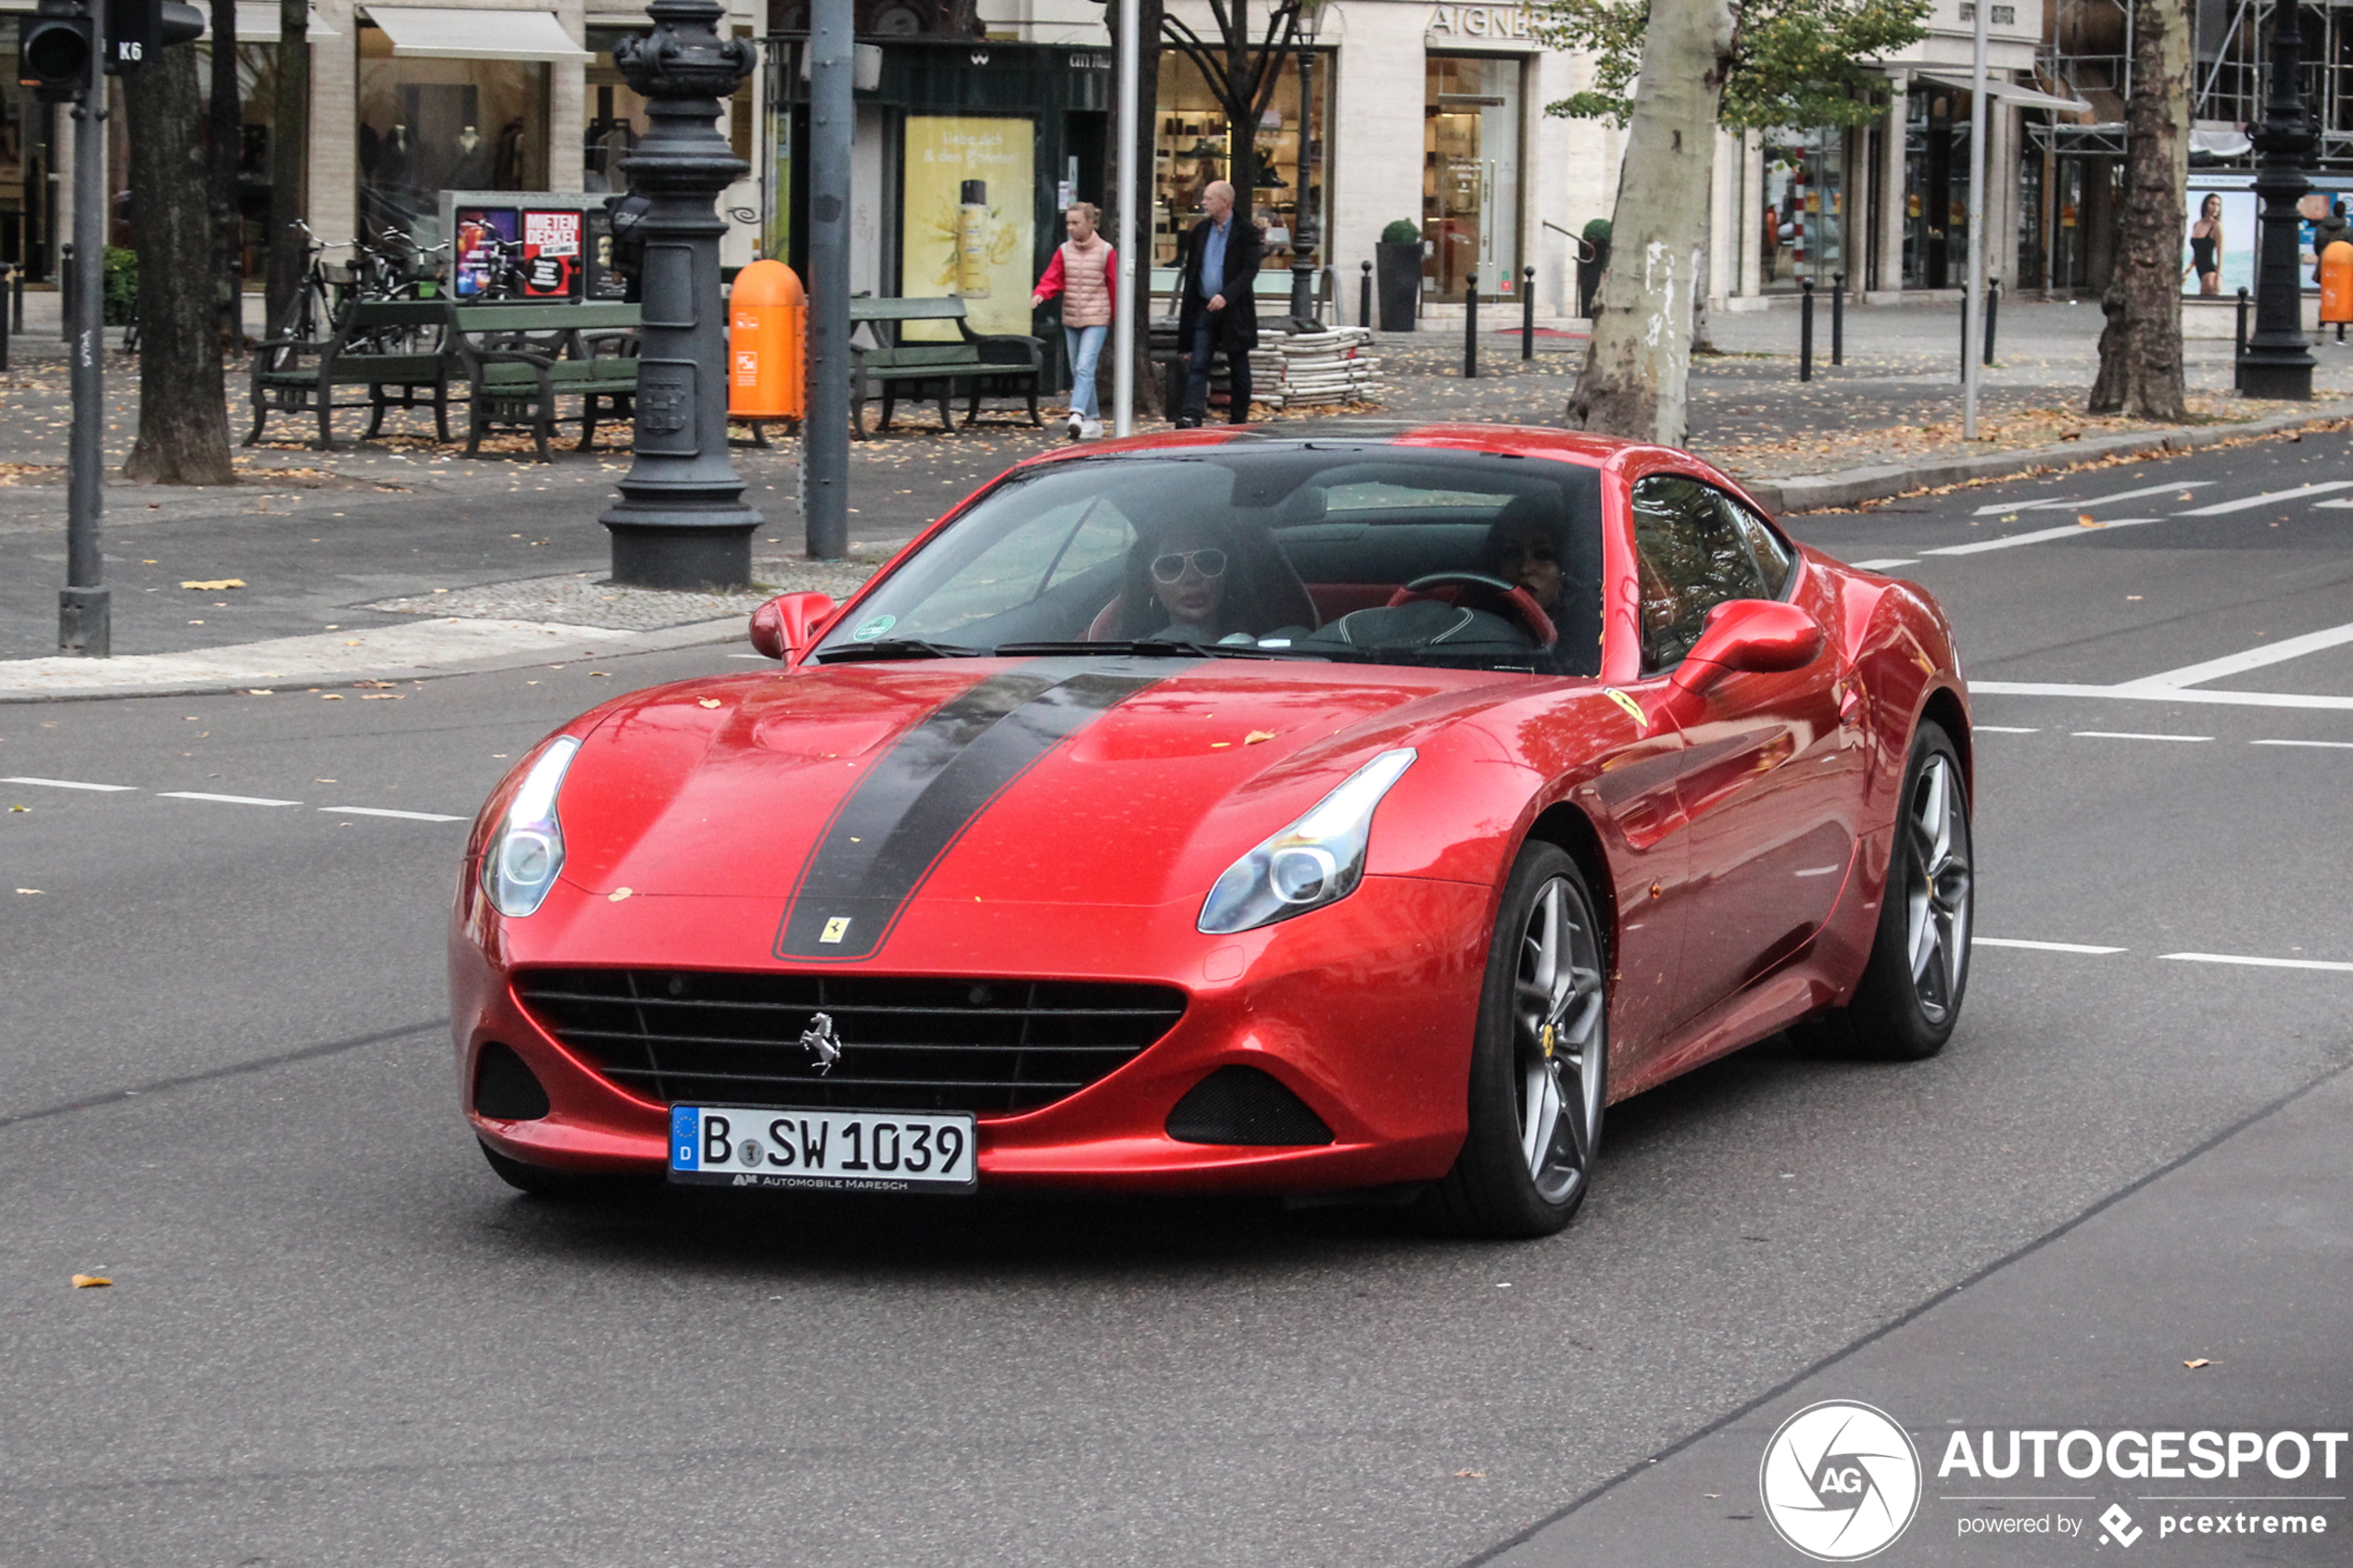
[1761,636]
[786,625]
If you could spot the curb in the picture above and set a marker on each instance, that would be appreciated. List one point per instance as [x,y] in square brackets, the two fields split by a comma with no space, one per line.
[1851,486]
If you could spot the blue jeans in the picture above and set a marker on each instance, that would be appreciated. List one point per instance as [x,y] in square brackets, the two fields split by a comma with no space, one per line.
[1198,363]
[1086,345]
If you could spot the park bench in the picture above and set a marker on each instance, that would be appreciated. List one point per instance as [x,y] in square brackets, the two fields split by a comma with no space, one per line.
[986,364]
[521,359]
[381,344]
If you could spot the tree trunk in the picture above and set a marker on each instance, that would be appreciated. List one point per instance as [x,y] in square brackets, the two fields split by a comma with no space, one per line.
[2140,370]
[1140,264]
[226,132]
[183,419]
[289,163]
[1638,360]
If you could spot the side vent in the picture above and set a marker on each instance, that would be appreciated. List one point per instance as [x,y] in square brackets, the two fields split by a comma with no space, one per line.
[1241,1104]
[505,1089]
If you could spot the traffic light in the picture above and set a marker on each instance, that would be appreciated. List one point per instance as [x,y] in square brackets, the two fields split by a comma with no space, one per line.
[137,29]
[53,51]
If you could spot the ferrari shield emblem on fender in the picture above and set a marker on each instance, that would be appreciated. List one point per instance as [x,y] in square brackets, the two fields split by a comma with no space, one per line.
[819,1037]
[1633,709]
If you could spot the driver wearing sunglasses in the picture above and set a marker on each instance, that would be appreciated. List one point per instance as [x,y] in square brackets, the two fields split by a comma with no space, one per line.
[1189,582]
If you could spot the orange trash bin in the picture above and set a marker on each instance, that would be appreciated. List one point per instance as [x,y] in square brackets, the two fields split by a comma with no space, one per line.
[767,316]
[2336,283]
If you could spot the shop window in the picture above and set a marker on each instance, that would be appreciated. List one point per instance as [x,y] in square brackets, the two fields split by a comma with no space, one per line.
[1804,202]
[1471,129]
[1192,149]
[616,115]
[429,125]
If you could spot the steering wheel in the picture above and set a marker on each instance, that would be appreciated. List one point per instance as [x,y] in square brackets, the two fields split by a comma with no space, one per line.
[1520,601]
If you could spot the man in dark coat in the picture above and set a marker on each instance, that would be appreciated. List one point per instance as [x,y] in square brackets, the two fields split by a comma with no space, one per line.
[1216,307]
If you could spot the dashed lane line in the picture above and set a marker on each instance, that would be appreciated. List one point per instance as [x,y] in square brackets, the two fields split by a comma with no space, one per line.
[2131,735]
[2004,729]
[2158,694]
[2056,503]
[2042,947]
[2039,535]
[222,799]
[1890,564]
[2253,962]
[2250,659]
[2325,744]
[383,812]
[73,784]
[2248,503]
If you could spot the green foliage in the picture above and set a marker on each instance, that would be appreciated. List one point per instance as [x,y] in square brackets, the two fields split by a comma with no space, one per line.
[1401,232]
[1794,62]
[121,284]
[1597,230]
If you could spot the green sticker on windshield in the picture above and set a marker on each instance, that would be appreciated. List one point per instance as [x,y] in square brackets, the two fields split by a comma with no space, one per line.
[874,627]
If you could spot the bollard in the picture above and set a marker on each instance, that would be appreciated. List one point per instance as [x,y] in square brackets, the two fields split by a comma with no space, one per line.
[2238,357]
[1470,327]
[4,319]
[1993,307]
[1527,313]
[65,291]
[1806,328]
[1838,317]
[1364,297]
[1965,334]
[16,288]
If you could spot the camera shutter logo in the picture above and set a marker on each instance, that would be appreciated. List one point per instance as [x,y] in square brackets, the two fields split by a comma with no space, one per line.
[1841,1481]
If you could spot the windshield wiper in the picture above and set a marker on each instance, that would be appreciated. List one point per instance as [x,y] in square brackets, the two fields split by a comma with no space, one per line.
[895,648]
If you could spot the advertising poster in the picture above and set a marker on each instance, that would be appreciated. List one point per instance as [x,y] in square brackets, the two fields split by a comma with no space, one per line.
[2217,243]
[482,233]
[970,204]
[551,254]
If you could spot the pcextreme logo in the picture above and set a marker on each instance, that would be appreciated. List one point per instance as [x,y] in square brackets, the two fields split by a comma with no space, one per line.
[1841,1481]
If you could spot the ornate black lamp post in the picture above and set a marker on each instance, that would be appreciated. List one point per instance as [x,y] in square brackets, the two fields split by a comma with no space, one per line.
[1303,234]
[2278,363]
[681,521]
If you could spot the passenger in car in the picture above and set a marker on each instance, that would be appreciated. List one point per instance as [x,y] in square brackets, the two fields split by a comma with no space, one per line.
[1203,579]
[1523,547]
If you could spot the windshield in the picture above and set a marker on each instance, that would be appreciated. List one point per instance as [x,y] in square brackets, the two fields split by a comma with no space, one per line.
[1367,553]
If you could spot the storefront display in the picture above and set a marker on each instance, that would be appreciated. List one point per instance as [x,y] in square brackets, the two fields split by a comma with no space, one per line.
[1471,131]
[430,124]
[1192,150]
[616,115]
[1803,233]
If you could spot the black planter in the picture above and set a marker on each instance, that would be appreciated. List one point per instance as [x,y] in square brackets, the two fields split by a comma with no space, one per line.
[1588,277]
[1398,269]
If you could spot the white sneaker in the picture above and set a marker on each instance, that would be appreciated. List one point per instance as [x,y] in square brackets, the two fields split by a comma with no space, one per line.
[1076,426]
[1090,429]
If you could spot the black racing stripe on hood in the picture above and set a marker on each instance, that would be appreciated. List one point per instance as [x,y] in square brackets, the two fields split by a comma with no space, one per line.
[916,801]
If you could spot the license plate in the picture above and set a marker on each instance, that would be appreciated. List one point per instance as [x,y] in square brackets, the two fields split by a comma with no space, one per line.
[821,1150]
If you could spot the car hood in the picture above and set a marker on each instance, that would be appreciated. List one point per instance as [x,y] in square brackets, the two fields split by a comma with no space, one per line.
[1105,781]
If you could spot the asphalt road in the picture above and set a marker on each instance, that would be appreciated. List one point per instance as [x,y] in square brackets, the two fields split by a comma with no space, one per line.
[333,1337]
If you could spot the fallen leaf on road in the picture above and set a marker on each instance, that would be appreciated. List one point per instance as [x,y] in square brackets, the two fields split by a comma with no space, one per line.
[260,691]
[2200,1361]
[1470,1475]
[30,892]
[19,808]
[618,894]
[91,1282]
[2085,519]
[708,702]
[214,584]
[381,697]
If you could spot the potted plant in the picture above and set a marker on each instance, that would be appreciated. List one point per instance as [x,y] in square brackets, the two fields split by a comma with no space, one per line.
[1397,263]
[1592,259]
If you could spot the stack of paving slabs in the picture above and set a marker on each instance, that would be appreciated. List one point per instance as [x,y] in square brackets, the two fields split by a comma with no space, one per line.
[1307,369]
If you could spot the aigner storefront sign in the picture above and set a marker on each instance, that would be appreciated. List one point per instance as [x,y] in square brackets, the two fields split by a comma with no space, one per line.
[1454,22]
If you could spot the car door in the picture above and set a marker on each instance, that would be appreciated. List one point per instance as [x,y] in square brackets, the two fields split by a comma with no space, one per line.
[1767,757]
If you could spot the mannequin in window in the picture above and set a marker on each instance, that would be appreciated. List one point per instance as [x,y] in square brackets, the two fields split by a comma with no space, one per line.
[471,169]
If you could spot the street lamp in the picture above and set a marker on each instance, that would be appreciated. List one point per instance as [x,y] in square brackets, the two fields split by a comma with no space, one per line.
[2277,362]
[1303,234]
[681,521]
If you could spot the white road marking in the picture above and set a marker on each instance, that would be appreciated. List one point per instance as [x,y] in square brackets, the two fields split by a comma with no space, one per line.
[73,784]
[2260,964]
[223,800]
[2040,536]
[2041,947]
[2131,734]
[1888,565]
[2251,502]
[2253,658]
[2329,744]
[381,811]
[2004,730]
[2058,502]
[2160,693]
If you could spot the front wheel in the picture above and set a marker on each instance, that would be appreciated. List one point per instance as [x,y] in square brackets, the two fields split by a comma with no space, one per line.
[1539,1064]
[1909,997]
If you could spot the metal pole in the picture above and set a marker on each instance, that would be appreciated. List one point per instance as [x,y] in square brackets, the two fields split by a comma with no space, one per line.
[10,268]
[1838,317]
[2278,362]
[681,521]
[1993,313]
[1302,231]
[1976,221]
[1122,316]
[825,443]
[1470,327]
[84,613]
[1364,297]
[2238,355]
[1527,312]
[1806,328]
[15,290]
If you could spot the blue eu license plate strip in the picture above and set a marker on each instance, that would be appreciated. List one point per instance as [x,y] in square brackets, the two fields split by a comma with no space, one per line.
[822,1150]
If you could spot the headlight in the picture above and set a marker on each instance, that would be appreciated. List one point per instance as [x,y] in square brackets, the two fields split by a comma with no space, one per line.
[528,850]
[1314,861]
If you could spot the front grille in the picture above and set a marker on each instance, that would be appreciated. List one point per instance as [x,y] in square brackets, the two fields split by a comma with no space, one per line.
[993,1046]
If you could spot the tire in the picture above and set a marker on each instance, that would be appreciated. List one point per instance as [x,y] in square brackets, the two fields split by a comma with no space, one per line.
[1539,1069]
[1909,997]
[568,1186]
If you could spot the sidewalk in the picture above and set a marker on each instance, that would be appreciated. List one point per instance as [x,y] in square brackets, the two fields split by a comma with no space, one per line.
[338,551]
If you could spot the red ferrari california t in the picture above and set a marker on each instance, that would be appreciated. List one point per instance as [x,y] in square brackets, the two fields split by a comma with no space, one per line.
[1344,809]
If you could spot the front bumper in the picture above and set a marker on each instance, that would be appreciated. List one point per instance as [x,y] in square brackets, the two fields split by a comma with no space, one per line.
[1365,1010]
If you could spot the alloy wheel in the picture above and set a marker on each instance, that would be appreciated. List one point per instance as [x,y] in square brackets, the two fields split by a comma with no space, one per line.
[1938,889]
[1559,1027]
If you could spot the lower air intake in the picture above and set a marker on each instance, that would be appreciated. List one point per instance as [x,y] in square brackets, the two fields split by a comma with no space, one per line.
[505,1089]
[1241,1104]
